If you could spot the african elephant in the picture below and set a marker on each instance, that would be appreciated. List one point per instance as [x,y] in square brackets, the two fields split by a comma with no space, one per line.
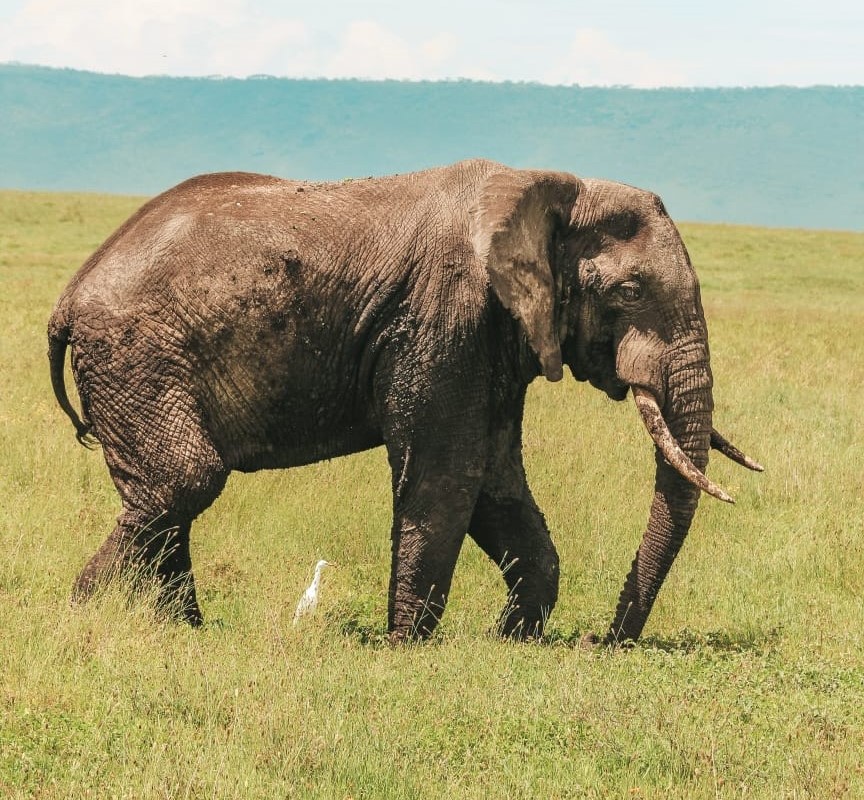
[245,322]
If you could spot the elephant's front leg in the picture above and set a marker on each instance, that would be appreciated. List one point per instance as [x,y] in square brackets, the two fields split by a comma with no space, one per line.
[511,530]
[433,501]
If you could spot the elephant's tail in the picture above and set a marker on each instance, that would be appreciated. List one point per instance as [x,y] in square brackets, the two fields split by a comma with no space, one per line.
[59,332]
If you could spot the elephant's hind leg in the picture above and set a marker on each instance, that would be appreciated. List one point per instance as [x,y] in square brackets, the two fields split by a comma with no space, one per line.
[141,549]
[164,484]
[513,533]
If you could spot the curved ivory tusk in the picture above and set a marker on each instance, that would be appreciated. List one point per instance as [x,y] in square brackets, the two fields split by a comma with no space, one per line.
[718,442]
[659,431]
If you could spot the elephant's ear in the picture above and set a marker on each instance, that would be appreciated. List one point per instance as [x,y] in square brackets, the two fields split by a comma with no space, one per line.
[512,226]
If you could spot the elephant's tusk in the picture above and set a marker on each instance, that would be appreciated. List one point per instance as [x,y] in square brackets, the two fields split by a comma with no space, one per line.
[729,450]
[659,431]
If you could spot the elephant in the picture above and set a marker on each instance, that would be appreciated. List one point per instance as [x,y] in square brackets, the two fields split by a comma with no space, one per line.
[240,322]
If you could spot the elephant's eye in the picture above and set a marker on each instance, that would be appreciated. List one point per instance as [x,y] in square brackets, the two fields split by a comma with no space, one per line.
[629,291]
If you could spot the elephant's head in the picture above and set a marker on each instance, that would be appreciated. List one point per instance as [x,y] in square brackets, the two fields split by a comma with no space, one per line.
[600,280]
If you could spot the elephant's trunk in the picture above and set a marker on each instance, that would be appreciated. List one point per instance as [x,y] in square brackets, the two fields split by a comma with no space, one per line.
[687,414]
[669,447]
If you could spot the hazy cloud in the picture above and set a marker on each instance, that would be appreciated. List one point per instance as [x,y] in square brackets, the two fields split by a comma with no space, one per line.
[369,50]
[140,37]
[594,59]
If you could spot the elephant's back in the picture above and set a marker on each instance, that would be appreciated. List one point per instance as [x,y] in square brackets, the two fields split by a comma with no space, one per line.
[212,222]
[229,239]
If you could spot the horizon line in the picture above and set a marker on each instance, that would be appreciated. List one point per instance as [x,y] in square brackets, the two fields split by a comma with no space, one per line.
[451,80]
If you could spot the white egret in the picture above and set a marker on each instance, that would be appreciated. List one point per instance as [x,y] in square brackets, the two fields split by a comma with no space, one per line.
[310,597]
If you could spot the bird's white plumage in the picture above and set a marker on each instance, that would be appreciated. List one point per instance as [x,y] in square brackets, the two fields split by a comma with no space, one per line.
[309,600]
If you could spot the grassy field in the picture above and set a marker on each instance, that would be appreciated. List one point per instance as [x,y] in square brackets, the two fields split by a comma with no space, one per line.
[748,683]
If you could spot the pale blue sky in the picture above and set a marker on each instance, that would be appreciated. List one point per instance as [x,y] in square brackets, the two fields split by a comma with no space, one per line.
[644,44]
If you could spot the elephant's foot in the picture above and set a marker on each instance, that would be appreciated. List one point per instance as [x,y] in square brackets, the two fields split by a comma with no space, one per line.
[592,641]
[177,599]
[176,595]
[86,585]
[124,558]
[521,625]
[419,631]
[104,567]
[416,620]
[411,635]
[402,637]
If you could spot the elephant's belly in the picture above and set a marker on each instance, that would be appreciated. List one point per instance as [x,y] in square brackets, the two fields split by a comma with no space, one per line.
[291,434]
[324,442]
[282,401]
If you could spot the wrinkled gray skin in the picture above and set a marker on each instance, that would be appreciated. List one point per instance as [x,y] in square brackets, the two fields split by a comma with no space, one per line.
[243,322]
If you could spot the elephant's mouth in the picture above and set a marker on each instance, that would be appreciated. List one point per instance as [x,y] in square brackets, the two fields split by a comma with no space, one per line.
[614,389]
[596,364]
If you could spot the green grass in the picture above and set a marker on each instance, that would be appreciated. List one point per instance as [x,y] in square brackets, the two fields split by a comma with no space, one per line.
[748,683]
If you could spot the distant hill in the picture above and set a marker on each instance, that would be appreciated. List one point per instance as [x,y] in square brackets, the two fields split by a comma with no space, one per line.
[775,156]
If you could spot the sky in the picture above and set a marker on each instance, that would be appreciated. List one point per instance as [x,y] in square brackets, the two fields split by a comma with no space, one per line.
[640,43]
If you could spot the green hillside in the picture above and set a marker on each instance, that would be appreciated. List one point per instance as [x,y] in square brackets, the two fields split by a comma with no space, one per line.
[775,156]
